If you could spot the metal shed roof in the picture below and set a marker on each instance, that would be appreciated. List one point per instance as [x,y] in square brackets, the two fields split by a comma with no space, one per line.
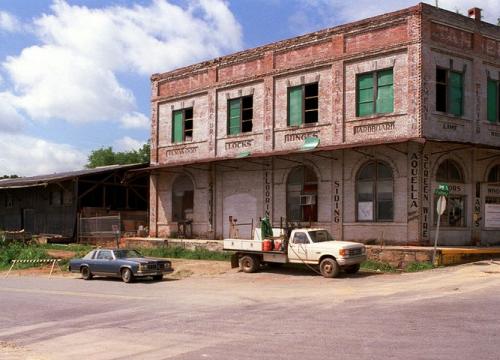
[43,180]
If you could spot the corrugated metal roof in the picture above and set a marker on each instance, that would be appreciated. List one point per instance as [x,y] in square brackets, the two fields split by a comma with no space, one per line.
[42,180]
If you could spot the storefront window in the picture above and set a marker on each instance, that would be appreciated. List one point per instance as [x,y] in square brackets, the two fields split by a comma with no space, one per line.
[454,215]
[374,185]
[182,199]
[301,195]
[494,175]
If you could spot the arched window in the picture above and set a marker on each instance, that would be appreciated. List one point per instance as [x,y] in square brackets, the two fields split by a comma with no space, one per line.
[301,195]
[375,199]
[182,198]
[454,215]
[449,171]
[494,174]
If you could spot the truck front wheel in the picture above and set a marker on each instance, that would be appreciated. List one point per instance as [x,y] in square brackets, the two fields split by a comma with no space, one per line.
[249,264]
[329,268]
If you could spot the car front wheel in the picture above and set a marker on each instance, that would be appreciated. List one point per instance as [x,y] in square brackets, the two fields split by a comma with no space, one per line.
[86,274]
[127,275]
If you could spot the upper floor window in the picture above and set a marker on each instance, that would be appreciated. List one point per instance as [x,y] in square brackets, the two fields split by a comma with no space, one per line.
[493,101]
[375,199]
[449,91]
[182,125]
[240,115]
[375,93]
[303,103]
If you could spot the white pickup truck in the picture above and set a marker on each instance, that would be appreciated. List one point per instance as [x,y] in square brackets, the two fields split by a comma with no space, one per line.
[304,246]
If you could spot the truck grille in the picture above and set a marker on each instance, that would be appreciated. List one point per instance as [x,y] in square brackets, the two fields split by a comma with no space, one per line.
[355,252]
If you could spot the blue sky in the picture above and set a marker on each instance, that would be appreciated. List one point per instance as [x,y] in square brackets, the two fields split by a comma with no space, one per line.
[74,75]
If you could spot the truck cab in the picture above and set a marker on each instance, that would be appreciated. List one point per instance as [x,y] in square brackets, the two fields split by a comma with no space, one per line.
[311,247]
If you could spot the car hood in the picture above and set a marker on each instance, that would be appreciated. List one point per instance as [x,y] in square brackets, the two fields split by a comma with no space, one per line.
[144,260]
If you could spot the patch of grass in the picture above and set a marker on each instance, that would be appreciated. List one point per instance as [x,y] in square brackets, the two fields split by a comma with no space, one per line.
[12,251]
[418,266]
[378,266]
[177,252]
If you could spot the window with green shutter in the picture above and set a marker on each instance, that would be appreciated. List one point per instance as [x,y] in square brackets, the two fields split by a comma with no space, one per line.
[240,115]
[303,104]
[182,125]
[449,91]
[493,101]
[375,93]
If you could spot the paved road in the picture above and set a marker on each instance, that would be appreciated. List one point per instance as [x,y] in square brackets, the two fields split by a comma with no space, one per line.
[448,313]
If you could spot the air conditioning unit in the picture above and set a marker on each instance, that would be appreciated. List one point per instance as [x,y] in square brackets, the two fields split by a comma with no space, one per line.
[307,200]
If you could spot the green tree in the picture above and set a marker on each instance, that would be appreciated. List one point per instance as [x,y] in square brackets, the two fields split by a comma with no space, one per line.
[106,156]
[9,177]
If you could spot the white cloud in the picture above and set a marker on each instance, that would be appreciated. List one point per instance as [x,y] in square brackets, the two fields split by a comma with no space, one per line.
[128,144]
[135,120]
[333,12]
[11,121]
[26,156]
[74,73]
[9,22]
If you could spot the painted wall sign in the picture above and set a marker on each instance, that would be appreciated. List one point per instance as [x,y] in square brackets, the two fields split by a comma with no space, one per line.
[386,126]
[301,136]
[182,151]
[493,190]
[449,126]
[414,165]
[495,133]
[425,196]
[492,216]
[238,144]
[336,201]
[268,190]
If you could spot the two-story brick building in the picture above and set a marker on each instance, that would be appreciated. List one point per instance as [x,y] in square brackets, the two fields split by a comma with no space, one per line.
[350,128]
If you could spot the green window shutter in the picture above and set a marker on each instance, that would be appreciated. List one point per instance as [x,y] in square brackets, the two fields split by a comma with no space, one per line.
[492,100]
[365,94]
[234,116]
[177,135]
[295,106]
[455,93]
[385,92]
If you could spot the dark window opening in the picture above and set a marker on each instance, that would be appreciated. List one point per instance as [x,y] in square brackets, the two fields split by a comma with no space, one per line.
[494,174]
[240,115]
[303,104]
[449,171]
[449,91]
[182,199]
[182,125]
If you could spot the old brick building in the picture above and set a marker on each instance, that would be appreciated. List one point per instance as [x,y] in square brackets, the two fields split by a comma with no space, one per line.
[350,128]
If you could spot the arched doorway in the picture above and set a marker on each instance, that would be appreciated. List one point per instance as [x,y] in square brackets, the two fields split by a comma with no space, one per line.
[302,194]
[182,199]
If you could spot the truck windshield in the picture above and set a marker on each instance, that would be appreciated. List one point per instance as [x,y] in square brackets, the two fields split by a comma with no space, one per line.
[320,236]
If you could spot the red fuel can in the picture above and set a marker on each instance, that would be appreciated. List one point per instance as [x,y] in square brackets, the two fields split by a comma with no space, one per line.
[267,245]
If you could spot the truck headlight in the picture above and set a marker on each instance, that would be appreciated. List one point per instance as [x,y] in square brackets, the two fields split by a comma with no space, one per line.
[343,252]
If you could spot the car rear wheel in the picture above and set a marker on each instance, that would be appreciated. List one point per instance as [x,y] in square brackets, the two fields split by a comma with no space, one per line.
[329,268]
[157,277]
[86,274]
[127,275]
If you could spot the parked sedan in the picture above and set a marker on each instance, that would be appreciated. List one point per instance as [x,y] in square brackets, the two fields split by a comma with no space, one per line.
[123,263]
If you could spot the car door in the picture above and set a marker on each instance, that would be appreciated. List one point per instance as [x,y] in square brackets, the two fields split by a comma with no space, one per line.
[104,262]
[298,246]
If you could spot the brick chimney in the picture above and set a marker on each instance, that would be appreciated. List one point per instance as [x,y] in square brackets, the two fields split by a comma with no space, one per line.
[475,13]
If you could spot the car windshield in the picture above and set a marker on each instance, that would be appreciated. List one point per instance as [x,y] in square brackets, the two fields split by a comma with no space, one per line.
[123,254]
[320,236]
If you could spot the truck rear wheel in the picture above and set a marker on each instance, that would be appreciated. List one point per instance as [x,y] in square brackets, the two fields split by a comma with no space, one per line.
[329,268]
[249,263]
[353,269]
